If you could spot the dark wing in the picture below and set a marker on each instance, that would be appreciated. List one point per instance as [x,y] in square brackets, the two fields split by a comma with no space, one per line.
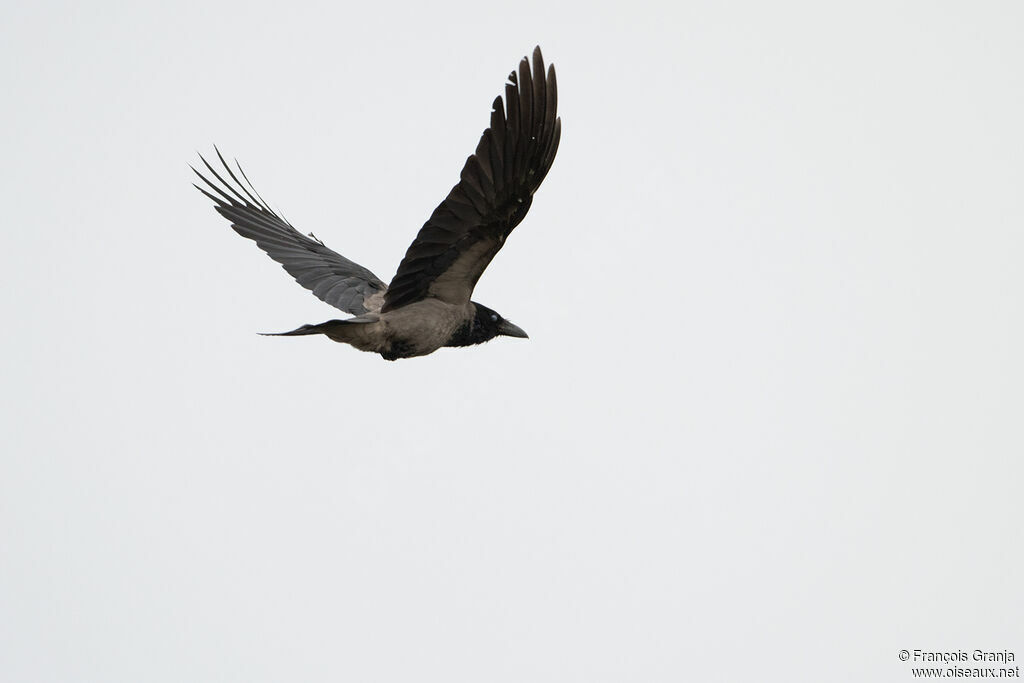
[494,193]
[329,275]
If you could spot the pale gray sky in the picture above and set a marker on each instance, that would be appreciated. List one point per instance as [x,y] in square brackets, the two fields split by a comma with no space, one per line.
[767,426]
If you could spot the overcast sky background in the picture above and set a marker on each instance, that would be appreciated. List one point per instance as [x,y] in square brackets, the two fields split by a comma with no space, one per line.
[768,425]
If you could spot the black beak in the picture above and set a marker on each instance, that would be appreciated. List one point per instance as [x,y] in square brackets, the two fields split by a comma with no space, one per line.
[509,330]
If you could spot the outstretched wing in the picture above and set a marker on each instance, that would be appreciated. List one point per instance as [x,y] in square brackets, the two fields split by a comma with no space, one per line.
[329,275]
[494,193]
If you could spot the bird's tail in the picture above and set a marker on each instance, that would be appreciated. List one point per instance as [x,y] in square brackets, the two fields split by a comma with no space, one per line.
[358,332]
[322,328]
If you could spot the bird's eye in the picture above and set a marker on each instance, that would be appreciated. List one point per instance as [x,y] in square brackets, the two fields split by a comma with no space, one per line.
[494,317]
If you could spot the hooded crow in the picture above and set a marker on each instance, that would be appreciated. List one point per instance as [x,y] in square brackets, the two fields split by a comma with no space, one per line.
[427,305]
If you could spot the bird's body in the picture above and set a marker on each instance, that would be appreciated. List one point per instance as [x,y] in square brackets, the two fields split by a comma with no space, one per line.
[427,305]
[414,330]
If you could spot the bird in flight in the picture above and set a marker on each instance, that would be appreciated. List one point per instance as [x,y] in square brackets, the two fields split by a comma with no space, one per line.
[427,305]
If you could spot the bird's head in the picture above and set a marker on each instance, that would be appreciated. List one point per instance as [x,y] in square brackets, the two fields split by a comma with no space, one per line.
[485,326]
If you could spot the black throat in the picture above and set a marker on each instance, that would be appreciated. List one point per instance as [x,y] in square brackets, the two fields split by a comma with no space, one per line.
[478,329]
